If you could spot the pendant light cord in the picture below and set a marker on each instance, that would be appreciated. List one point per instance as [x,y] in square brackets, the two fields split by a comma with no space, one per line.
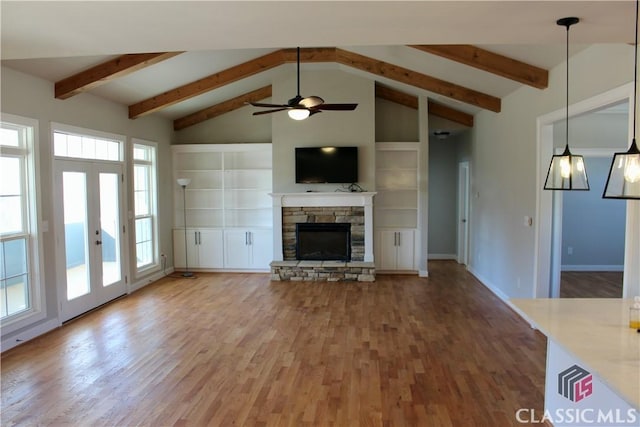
[567,89]
[635,75]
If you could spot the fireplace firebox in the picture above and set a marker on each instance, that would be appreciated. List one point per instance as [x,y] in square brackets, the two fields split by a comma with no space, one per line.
[323,241]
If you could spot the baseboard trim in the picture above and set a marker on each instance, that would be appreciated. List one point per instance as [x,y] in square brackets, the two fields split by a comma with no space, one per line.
[147,280]
[592,268]
[29,334]
[436,257]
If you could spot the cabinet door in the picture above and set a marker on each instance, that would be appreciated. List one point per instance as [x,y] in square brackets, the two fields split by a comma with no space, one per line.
[261,249]
[179,248]
[236,248]
[210,248]
[405,250]
[386,250]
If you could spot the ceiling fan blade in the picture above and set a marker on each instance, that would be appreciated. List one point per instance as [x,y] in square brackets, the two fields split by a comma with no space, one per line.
[257,113]
[311,101]
[336,107]
[262,104]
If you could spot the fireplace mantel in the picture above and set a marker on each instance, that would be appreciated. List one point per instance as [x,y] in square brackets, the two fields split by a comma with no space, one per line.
[323,199]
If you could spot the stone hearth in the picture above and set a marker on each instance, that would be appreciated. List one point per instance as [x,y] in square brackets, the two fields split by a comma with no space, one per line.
[353,208]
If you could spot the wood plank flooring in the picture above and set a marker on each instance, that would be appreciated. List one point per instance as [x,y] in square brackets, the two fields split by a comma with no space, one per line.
[591,284]
[237,349]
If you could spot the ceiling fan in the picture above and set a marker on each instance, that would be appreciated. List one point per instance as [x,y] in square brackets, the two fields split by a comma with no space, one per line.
[298,107]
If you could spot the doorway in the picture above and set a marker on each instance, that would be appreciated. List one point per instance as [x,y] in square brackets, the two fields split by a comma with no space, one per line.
[463,213]
[90,240]
[548,242]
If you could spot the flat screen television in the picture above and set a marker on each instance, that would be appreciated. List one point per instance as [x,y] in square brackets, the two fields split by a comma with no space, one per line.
[326,165]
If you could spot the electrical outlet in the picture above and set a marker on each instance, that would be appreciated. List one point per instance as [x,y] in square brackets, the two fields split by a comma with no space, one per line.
[570,250]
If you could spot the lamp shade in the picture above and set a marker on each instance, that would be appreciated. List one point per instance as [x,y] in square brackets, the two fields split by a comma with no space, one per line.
[624,175]
[566,172]
[298,113]
[183,182]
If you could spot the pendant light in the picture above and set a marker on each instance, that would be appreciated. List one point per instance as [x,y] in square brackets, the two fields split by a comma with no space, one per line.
[623,181]
[567,171]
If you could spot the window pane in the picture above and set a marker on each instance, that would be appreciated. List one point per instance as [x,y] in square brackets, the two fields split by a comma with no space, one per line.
[144,243]
[14,279]
[9,137]
[141,152]
[86,147]
[13,257]
[141,186]
[11,200]
[10,176]
[15,295]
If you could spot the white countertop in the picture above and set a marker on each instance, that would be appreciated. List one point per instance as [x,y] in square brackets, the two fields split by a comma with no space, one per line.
[595,331]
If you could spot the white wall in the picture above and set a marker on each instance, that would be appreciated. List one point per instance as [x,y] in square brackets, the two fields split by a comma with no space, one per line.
[237,126]
[504,153]
[31,97]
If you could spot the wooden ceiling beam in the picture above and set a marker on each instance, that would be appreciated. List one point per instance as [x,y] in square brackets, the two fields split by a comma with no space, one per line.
[107,71]
[331,54]
[396,96]
[436,109]
[419,80]
[449,113]
[222,108]
[206,84]
[494,63]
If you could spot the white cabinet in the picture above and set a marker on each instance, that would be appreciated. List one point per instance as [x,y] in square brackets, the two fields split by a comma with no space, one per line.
[229,192]
[252,249]
[204,248]
[396,205]
[395,250]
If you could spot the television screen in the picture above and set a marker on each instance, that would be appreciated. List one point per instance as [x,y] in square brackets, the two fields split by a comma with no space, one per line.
[326,165]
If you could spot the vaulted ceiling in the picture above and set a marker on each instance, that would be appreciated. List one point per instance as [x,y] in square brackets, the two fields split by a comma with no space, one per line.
[192,61]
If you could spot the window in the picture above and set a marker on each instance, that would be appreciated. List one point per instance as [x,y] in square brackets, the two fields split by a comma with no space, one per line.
[145,207]
[19,295]
[68,144]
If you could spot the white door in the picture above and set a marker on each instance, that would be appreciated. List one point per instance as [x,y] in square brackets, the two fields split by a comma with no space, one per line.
[89,235]
[261,242]
[210,253]
[191,250]
[387,250]
[463,213]
[236,248]
[405,246]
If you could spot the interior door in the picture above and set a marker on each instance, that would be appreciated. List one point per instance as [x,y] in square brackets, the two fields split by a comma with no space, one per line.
[90,235]
[463,213]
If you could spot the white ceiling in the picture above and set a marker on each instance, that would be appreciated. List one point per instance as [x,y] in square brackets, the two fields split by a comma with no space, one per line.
[53,40]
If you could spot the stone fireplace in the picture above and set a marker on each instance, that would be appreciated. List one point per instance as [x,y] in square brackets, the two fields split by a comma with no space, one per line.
[338,219]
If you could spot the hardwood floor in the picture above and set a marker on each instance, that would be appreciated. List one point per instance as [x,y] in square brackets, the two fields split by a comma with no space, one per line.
[591,284]
[237,349]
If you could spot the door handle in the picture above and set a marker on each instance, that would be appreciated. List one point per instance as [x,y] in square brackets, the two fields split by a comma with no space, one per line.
[98,242]
[464,220]
[399,238]
[199,238]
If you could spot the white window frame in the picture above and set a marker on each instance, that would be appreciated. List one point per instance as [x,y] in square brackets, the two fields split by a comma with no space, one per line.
[31,185]
[155,265]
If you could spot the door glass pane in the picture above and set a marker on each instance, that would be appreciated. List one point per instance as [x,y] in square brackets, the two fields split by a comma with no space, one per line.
[110,224]
[74,187]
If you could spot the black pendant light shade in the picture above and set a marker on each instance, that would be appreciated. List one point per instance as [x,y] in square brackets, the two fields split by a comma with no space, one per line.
[567,171]
[623,181]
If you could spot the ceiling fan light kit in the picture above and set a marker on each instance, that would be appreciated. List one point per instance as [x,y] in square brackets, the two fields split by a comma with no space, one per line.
[299,107]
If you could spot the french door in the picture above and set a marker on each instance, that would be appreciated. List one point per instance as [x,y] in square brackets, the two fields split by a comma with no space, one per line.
[90,235]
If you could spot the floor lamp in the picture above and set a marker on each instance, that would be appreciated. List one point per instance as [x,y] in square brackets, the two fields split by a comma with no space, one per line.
[183,182]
